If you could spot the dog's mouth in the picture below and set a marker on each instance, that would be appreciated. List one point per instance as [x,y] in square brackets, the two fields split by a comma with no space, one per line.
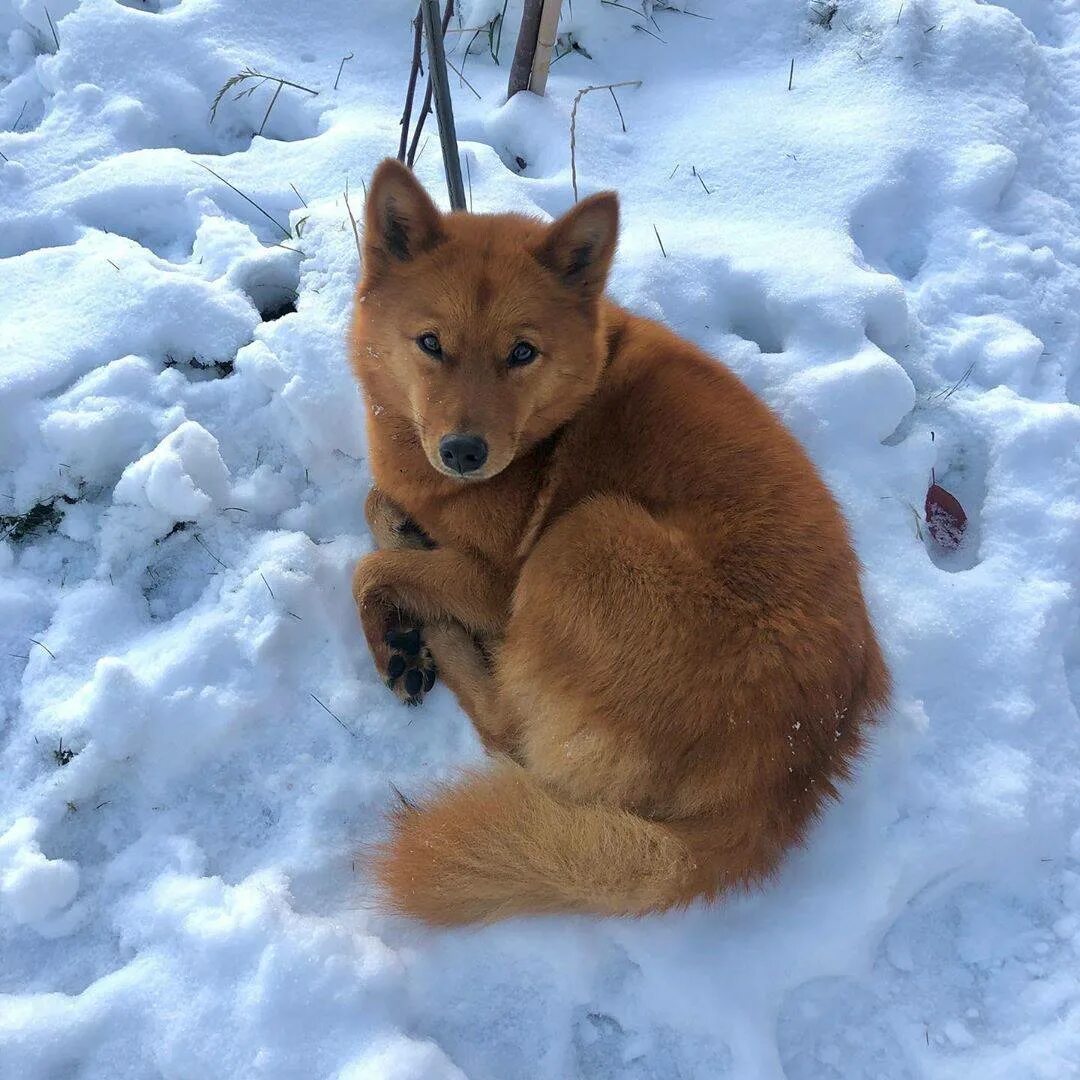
[488,471]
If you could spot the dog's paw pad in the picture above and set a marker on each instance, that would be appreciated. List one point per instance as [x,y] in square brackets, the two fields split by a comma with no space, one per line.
[407,641]
[410,671]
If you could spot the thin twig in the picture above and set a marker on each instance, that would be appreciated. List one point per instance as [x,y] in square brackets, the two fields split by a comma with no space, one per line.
[791,73]
[334,715]
[498,36]
[405,803]
[425,110]
[352,221]
[468,173]
[646,30]
[298,195]
[42,645]
[682,11]
[199,540]
[693,169]
[260,77]
[294,85]
[246,198]
[477,31]
[52,27]
[616,100]
[944,395]
[659,241]
[675,170]
[268,108]
[457,71]
[573,123]
[410,90]
[472,41]
[267,584]
[340,67]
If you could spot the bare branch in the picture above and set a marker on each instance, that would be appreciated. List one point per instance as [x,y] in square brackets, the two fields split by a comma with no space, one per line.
[573,123]
[410,91]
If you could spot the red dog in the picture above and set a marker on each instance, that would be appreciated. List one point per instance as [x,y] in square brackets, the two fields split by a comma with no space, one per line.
[621,563]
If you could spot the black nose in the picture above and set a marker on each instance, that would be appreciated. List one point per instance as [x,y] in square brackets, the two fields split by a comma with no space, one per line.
[463,453]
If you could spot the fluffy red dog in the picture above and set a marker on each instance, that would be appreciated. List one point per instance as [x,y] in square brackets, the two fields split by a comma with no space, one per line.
[621,563]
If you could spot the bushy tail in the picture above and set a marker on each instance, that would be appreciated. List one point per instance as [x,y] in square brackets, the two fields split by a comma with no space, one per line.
[497,844]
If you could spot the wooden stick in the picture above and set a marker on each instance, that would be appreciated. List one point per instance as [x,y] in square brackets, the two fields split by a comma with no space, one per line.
[521,68]
[444,109]
[426,107]
[545,42]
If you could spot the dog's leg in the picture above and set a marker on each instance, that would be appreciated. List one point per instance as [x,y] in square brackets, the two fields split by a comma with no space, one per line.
[397,592]
[466,669]
[410,672]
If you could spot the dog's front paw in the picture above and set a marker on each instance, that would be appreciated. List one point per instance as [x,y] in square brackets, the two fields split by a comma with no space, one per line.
[410,669]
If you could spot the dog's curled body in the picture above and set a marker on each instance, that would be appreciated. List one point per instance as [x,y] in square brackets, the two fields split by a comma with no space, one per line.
[647,601]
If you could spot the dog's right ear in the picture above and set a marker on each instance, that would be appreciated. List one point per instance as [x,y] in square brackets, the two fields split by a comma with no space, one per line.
[400,220]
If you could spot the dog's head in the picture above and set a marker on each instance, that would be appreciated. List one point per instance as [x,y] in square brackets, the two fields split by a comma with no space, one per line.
[483,332]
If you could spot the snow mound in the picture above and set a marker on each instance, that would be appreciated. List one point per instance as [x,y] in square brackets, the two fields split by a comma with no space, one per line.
[182,478]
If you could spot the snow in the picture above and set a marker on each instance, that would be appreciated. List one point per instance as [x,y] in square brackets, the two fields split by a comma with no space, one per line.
[194,745]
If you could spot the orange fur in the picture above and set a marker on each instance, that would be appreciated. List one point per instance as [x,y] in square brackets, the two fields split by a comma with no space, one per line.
[646,599]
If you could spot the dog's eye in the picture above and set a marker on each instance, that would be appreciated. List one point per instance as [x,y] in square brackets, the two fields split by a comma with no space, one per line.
[429,343]
[521,354]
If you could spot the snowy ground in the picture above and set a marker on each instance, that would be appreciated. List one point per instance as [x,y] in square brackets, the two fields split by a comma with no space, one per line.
[889,253]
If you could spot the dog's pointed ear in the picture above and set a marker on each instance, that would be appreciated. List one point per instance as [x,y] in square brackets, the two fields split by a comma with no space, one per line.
[579,246]
[400,220]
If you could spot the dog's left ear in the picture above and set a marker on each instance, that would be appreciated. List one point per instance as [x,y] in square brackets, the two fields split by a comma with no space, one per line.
[400,220]
[579,246]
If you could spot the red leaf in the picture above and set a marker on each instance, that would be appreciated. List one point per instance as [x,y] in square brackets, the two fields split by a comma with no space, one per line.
[945,517]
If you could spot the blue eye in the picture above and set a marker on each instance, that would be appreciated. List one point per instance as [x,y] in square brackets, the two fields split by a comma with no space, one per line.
[429,343]
[521,354]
